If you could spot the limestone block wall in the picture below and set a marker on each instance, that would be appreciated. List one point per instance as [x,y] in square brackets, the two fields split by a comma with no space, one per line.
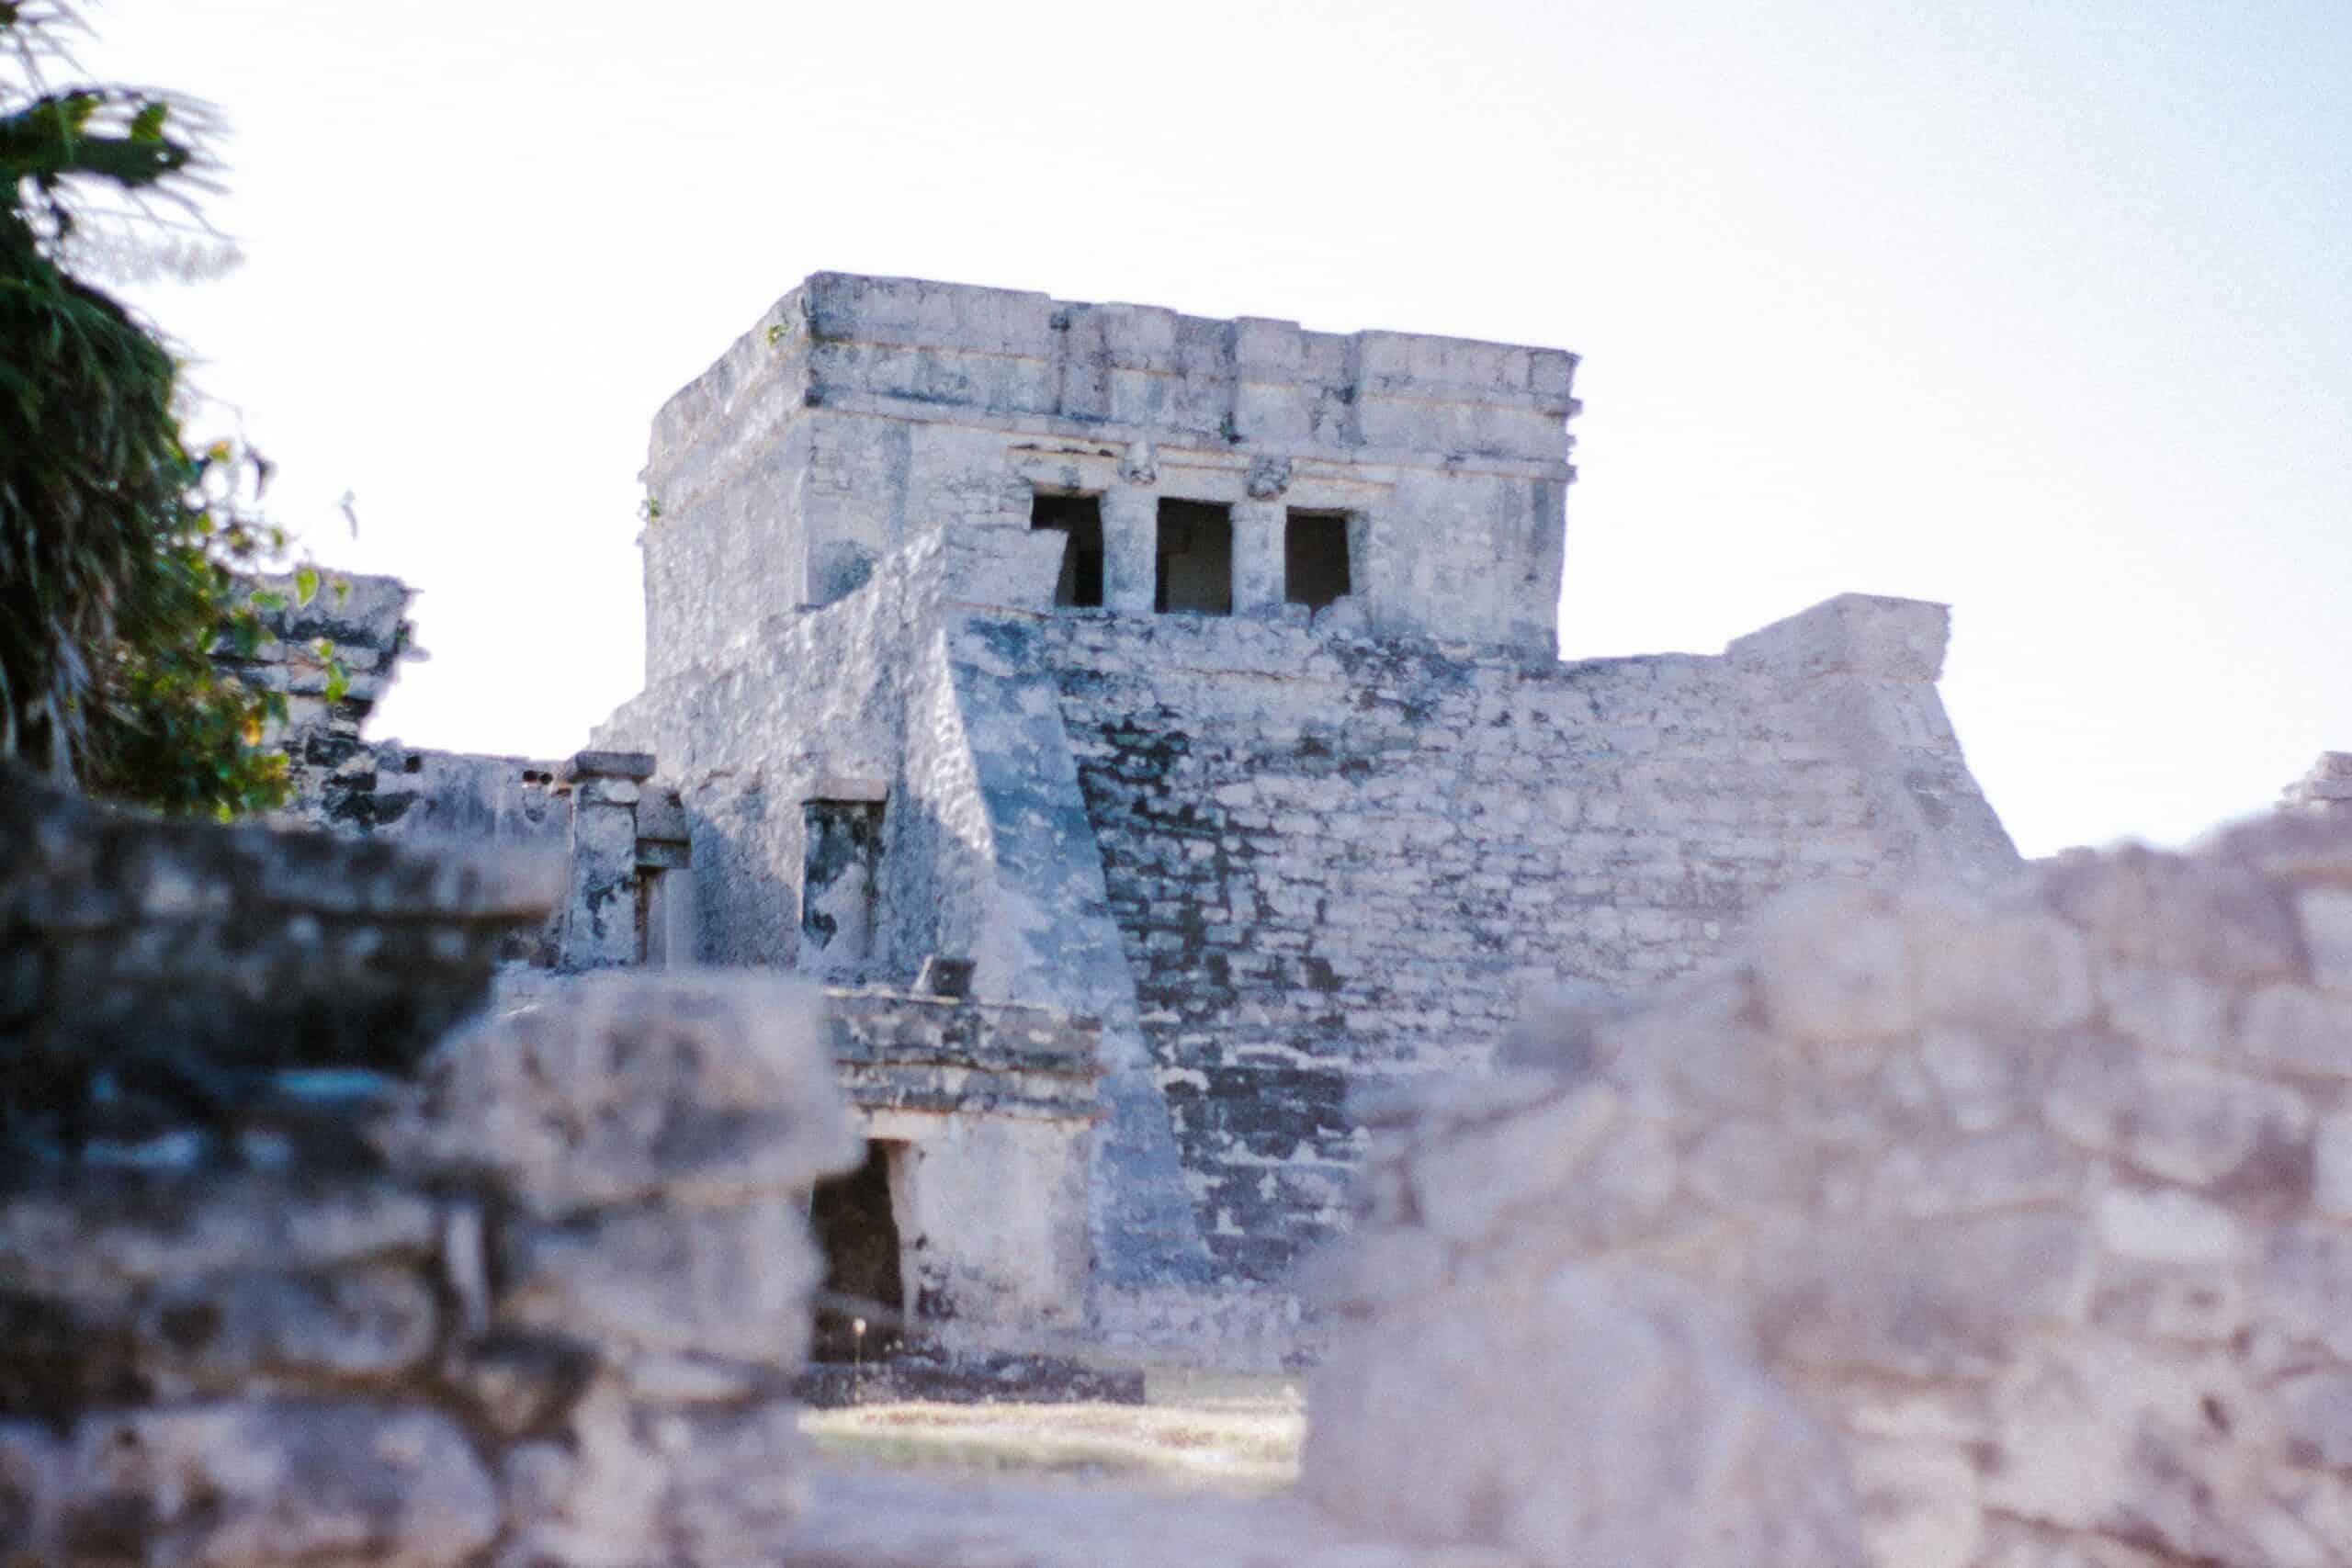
[990,1113]
[543,1307]
[1333,860]
[585,809]
[1945,1228]
[1275,858]
[156,975]
[860,413]
[899,695]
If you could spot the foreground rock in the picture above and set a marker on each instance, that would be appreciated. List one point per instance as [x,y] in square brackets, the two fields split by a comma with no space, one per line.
[555,1324]
[1947,1232]
[169,987]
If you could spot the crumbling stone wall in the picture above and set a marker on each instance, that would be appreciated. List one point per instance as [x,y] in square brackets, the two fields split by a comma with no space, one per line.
[992,1110]
[1190,828]
[579,808]
[897,693]
[2327,787]
[362,622]
[590,808]
[1333,860]
[156,976]
[546,1310]
[1949,1229]
[343,781]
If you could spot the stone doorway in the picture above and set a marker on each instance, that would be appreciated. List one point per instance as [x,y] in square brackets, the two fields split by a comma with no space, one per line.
[856,1227]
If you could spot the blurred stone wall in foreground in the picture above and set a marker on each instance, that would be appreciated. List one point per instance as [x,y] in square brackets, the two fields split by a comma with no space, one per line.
[543,1310]
[2006,1230]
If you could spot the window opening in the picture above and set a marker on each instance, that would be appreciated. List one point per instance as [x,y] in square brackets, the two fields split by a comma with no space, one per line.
[1195,558]
[1315,557]
[857,1231]
[1080,517]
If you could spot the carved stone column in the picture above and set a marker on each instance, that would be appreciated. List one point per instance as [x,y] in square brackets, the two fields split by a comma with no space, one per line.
[1257,555]
[600,927]
[1131,537]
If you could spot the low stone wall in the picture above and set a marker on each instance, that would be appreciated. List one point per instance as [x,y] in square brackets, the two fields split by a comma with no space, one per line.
[157,975]
[547,1312]
[1946,1230]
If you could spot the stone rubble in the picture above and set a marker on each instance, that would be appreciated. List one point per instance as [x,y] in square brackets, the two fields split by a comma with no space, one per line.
[1959,1228]
[554,1319]
[160,981]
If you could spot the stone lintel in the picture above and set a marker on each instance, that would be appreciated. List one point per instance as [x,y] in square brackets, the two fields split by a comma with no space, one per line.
[593,764]
[847,786]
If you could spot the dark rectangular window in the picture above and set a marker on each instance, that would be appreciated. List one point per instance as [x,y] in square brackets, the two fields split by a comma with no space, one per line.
[1315,557]
[1080,517]
[1195,558]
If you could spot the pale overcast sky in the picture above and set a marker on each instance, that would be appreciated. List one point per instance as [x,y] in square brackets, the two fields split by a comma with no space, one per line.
[2040,309]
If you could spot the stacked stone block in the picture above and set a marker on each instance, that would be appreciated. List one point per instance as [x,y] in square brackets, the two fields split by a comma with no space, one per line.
[1993,1229]
[897,1051]
[356,623]
[1334,860]
[158,977]
[545,1312]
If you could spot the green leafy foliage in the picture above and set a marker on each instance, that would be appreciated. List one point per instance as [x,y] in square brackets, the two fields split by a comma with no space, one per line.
[121,549]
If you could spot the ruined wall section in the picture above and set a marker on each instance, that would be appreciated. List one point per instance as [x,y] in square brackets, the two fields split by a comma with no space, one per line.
[1332,860]
[898,694]
[990,1111]
[860,413]
[1947,1229]
[543,1304]
[850,701]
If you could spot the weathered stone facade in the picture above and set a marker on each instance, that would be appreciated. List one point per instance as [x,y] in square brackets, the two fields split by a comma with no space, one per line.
[1278,847]
[1196,678]
[1333,860]
[862,413]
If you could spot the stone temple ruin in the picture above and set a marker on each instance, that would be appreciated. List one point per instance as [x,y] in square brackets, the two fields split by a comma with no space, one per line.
[1179,900]
[1196,683]
[1998,1227]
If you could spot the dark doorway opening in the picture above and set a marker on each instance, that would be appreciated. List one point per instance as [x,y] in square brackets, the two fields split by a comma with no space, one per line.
[1315,557]
[1080,517]
[1195,558]
[858,1234]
